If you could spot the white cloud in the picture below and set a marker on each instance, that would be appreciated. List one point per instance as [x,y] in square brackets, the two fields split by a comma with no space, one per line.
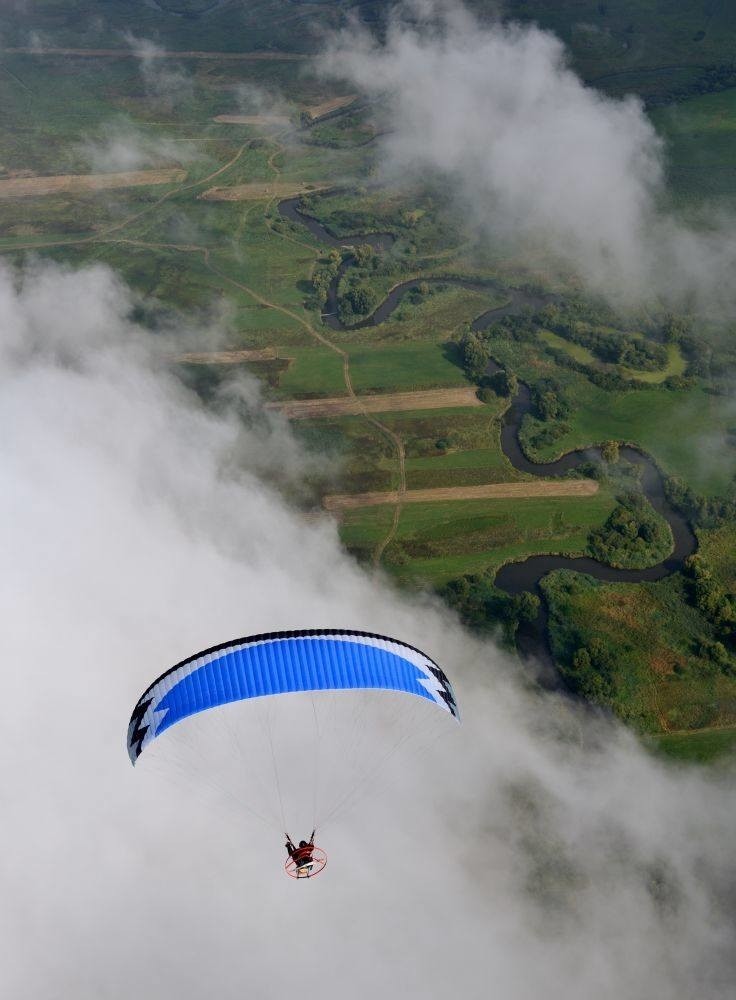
[166,81]
[533,154]
[530,851]
[121,145]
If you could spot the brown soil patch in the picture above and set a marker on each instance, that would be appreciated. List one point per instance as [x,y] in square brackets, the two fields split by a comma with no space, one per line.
[663,662]
[317,111]
[489,491]
[30,187]
[226,357]
[258,190]
[280,120]
[131,54]
[626,609]
[427,399]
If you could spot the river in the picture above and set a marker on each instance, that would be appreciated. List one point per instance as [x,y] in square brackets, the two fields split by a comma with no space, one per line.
[533,640]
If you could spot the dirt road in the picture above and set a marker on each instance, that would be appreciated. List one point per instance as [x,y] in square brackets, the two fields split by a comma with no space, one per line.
[490,491]
[30,50]
[426,399]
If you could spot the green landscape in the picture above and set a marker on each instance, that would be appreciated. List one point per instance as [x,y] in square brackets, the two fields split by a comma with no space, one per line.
[203,241]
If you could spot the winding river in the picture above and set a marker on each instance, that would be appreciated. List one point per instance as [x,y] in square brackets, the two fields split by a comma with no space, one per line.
[526,574]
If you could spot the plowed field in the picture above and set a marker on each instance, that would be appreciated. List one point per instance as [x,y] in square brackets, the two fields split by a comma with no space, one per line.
[426,399]
[490,491]
[32,187]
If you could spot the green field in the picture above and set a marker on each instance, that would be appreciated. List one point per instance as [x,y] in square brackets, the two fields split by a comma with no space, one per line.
[313,371]
[676,363]
[684,431]
[700,135]
[688,432]
[403,366]
[698,747]
[438,541]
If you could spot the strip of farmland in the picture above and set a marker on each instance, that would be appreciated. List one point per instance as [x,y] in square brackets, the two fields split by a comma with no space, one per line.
[31,187]
[489,491]
[341,406]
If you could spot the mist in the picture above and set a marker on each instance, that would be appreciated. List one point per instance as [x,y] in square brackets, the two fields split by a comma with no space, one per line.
[533,156]
[121,145]
[166,82]
[535,848]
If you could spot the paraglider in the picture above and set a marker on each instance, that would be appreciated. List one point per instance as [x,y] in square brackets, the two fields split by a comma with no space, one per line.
[306,860]
[278,663]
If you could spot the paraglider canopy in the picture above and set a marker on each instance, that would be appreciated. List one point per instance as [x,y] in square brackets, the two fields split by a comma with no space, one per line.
[281,662]
[259,667]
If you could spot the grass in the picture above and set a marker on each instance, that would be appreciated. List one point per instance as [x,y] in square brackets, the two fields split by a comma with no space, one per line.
[686,431]
[661,680]
[699,747]
[438,541]
[676,363]
[649,44]
[458,468]
[700,138]
[314,371]
[718,546]
[359,457]
[403,367]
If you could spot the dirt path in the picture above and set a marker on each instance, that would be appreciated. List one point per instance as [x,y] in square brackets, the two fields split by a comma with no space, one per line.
[489,491]
[358,401]
[424,399]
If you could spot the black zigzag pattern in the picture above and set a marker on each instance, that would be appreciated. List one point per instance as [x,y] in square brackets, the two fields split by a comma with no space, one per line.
[446,692]
[137,732]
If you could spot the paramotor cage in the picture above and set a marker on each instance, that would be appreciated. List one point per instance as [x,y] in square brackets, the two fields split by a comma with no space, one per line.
[309,866]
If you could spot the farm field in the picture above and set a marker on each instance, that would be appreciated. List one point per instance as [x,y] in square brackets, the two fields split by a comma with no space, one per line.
[695,452]
[489,491]
[438,541]
[699,134]
[428,399]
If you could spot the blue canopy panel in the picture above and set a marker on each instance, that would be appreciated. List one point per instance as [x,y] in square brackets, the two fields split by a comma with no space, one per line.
[281,662]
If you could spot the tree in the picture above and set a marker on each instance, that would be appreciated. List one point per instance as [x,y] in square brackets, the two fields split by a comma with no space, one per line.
[527,606]
[475,355]
[503,382]
[361,299]
[674,328]
[610,452]
[363,254]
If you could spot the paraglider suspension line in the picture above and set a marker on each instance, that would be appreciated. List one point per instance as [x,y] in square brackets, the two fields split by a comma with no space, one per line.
[276,775]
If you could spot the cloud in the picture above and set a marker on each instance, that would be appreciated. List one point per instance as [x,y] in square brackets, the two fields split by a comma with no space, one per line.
[533,155]
[533,850]
[120,146]
[166,81]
